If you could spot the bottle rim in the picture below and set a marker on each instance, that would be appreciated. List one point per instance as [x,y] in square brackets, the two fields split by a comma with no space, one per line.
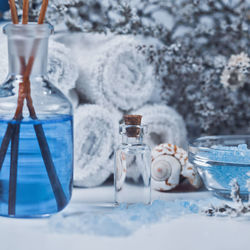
[123,128]
[31,29]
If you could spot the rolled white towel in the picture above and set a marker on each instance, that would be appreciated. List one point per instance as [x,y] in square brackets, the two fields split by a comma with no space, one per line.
[62,69]
[165,125]
[62,72]
[95,138]
[115,74]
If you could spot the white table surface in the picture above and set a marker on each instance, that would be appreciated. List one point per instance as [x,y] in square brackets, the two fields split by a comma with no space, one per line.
[187,232]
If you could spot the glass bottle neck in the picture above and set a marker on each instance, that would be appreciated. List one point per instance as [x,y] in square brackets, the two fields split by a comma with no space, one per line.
[27,51]
[132,140]
[132,134]
[28,48]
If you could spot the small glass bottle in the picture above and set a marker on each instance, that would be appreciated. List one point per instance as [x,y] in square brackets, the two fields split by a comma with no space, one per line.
[133,156]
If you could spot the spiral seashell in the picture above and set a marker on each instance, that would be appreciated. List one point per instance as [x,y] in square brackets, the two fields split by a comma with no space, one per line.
[169,162]
[191,173]
[121,169]
[161,169]
[165,172]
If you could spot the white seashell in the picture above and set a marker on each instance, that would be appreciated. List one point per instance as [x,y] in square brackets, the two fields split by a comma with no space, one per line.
[161,168]
[169,162]
[121,169]
[191,173]
[165,170]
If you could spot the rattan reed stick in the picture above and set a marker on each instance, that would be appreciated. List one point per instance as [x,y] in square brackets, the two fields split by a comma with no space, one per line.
[25,11]
[43,11]
[13,170]
[13,11]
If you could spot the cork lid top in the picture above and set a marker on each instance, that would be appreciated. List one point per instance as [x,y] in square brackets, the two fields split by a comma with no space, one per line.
[132,119]
[134,123]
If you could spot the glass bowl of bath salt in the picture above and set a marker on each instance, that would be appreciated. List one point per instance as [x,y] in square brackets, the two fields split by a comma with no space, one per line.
[221,160]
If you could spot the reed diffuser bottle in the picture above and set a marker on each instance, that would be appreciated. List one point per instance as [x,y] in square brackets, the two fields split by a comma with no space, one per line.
[132,164]
[36,136]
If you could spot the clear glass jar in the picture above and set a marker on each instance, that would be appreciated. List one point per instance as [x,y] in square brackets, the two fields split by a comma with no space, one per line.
[135,156]
[36,132]
[220,160]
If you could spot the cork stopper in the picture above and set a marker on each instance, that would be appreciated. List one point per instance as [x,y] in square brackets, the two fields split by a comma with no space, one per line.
[133,120]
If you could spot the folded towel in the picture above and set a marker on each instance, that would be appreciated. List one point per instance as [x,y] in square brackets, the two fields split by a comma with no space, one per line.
[95,141]
[114,73]
[165,125]
[62,72]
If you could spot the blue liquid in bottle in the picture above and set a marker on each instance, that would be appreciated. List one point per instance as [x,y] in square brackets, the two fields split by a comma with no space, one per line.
[35,196]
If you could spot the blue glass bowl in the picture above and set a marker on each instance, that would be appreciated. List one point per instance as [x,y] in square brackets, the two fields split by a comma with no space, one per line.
[219,160]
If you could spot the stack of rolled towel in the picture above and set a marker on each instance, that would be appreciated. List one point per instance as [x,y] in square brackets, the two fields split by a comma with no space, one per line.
[105,76]
[114,79]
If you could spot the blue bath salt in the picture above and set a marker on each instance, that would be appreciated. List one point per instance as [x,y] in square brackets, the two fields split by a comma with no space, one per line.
[123,220]
[239,154]
[223,164]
